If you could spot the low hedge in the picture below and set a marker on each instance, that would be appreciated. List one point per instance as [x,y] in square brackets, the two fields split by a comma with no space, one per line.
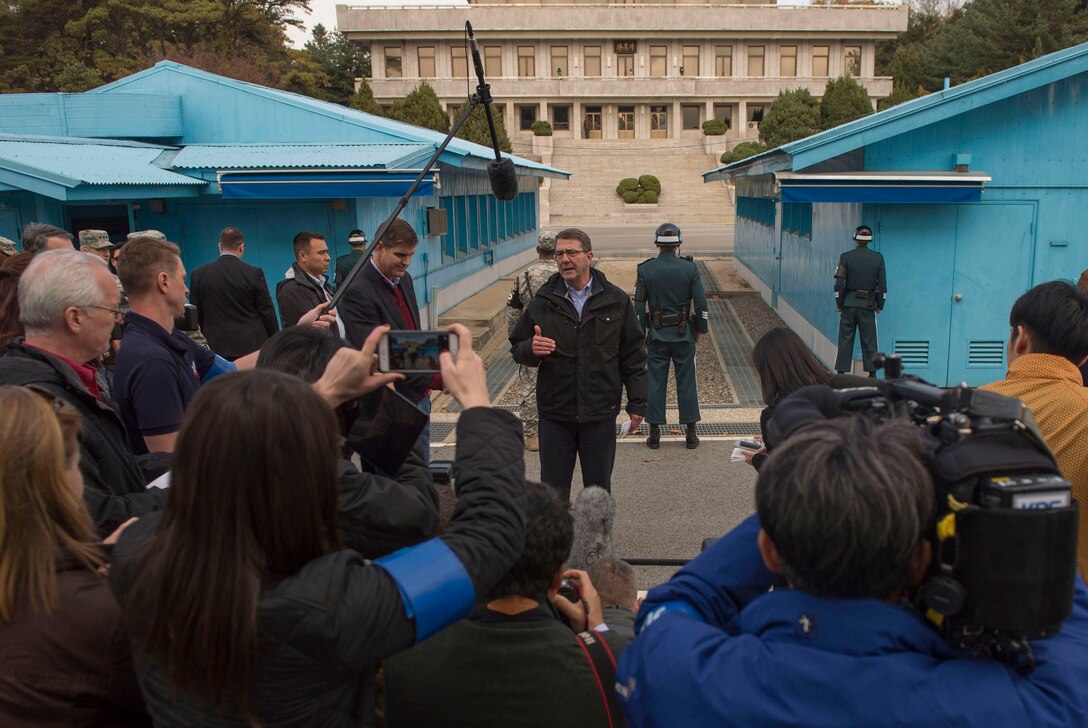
[715,127]
[645,190]
[541,127]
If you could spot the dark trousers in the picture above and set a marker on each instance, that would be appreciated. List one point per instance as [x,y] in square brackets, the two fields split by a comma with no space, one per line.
[593,443]
[682,356]
[863,321]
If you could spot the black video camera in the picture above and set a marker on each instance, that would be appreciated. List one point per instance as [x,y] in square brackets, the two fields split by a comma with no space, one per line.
[1005,533]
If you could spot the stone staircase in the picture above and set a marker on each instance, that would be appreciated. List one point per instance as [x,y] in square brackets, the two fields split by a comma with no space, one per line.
[589,196]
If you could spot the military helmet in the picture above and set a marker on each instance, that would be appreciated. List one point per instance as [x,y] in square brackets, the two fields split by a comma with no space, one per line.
[863,234]
[668,235]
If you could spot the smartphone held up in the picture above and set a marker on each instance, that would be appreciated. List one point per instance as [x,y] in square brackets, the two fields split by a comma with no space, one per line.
[414,352]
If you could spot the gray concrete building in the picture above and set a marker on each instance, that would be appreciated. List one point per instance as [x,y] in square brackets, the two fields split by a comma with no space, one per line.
[625,70]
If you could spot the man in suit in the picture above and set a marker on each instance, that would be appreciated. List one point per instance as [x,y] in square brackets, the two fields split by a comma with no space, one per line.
[233,306]
[382,293]
[306,284]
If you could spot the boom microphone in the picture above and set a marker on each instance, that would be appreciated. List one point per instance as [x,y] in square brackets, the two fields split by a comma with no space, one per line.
[504,180]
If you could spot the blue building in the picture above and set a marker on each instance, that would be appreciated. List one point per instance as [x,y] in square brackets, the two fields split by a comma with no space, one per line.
[188,152]
[975,194]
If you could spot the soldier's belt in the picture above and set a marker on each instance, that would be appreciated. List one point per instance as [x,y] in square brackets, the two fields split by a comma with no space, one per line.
[861,293]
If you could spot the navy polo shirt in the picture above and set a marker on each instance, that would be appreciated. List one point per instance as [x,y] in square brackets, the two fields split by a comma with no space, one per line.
[157,373]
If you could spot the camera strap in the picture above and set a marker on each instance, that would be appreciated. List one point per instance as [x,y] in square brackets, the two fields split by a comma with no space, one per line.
[603,665]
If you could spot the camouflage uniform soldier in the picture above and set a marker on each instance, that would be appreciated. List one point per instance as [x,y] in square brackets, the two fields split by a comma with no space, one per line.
[7,248]
[526,285]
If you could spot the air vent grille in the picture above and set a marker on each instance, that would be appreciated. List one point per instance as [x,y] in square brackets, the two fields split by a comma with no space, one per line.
[915,354]
[986,354]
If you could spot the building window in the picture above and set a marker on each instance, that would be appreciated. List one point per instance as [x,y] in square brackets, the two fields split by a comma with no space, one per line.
[591,122]
[820,56]
[560,66]
[592,66]
[561,118]
[526,62]
[755,113]
[724,112]
[394,67]
[625,65]
[493,61]
[458,61]
[454,110]
[625,117]
[659,122]
[851,60]
[690,65]
[723,61]
[426,62]
[691,117]
[526,117]
[659,61]
[755,61]
[787,61]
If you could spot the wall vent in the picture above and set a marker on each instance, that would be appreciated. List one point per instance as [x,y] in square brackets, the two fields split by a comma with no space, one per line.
[987,354]
[915,354]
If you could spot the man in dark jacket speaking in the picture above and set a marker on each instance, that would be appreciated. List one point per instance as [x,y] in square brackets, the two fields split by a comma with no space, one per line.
[582,333]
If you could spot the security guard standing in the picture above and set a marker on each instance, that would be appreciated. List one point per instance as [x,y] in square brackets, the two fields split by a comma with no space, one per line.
[671,306]
[526,285]
[860,292]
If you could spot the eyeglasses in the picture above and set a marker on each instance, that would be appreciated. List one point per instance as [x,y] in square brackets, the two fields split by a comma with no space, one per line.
[118,316]
[567,253]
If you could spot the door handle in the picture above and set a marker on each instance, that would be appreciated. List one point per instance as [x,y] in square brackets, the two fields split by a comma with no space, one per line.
[958,297]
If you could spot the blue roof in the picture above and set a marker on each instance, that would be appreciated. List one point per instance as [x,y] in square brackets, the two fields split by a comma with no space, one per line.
[72,162]
[469,154]
[301,156]
[910,115]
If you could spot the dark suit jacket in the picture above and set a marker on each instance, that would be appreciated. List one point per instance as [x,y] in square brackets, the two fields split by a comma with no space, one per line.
[233,306]
[367,303]
[299,294]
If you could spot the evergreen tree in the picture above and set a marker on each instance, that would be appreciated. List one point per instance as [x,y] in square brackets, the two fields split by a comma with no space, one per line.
[422,108]
[475,129]
[742,151]
[793,115]
[363,100]
[899,95]
[339,61]
[844,100]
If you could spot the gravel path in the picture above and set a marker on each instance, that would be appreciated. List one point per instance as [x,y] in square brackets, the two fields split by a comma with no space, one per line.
[755,316]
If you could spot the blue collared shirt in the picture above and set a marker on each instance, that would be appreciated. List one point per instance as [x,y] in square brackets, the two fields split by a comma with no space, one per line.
[579,298]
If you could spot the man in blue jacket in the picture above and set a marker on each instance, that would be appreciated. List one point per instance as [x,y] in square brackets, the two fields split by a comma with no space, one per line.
[844,507]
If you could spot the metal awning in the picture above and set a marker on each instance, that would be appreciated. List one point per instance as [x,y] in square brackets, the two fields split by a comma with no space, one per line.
[919,187]
[310,184]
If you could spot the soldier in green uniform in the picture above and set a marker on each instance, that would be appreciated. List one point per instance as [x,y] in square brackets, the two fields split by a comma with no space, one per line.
[526,285]
[344,264]
[860,291]
[671,307]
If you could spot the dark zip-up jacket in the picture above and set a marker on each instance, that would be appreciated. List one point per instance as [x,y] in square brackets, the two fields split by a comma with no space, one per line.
[113,479]
[324,629]
[596,356]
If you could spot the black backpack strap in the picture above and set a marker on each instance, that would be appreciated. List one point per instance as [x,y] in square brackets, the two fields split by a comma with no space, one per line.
[603,664]
[528,288]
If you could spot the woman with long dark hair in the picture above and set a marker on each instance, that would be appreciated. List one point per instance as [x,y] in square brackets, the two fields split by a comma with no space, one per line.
[65,660]
[10,272]
[243,607]
[784,365]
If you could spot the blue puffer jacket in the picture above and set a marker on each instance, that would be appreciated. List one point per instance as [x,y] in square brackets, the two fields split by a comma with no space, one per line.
[717,650]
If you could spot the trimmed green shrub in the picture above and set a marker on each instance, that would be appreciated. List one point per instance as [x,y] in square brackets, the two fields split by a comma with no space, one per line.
[844,100]
[793,115]
[649,197]
[742,151]
[715,127]
[626,185]
[649,182]
[630,196]
[541,127]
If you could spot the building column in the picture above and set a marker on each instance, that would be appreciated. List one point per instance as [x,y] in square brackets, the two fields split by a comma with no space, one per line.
[740,125]
[676,121]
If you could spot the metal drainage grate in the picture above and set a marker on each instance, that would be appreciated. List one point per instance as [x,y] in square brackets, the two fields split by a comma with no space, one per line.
[441,430]
[703,428]
[500,369]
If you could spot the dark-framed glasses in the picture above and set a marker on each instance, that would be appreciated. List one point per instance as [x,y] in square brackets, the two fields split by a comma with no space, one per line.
[119,316]
[568,253]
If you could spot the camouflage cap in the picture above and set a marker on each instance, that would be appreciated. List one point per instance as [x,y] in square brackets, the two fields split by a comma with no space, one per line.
[96,239]
[546,241]
[146,234]
[7,247]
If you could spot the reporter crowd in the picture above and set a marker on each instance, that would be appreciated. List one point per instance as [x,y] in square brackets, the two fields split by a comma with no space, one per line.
[248,558]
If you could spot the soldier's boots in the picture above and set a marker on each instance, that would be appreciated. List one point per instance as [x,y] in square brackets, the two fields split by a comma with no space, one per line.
[654,440]
[692,439]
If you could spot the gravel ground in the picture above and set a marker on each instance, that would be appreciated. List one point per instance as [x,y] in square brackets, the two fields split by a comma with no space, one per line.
[711,380]
[755,316]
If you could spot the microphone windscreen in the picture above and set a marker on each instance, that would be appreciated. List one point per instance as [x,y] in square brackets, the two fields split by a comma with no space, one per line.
[593,515]
[504,180]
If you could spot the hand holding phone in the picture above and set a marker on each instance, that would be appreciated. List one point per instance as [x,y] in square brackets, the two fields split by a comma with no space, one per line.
[415,352]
